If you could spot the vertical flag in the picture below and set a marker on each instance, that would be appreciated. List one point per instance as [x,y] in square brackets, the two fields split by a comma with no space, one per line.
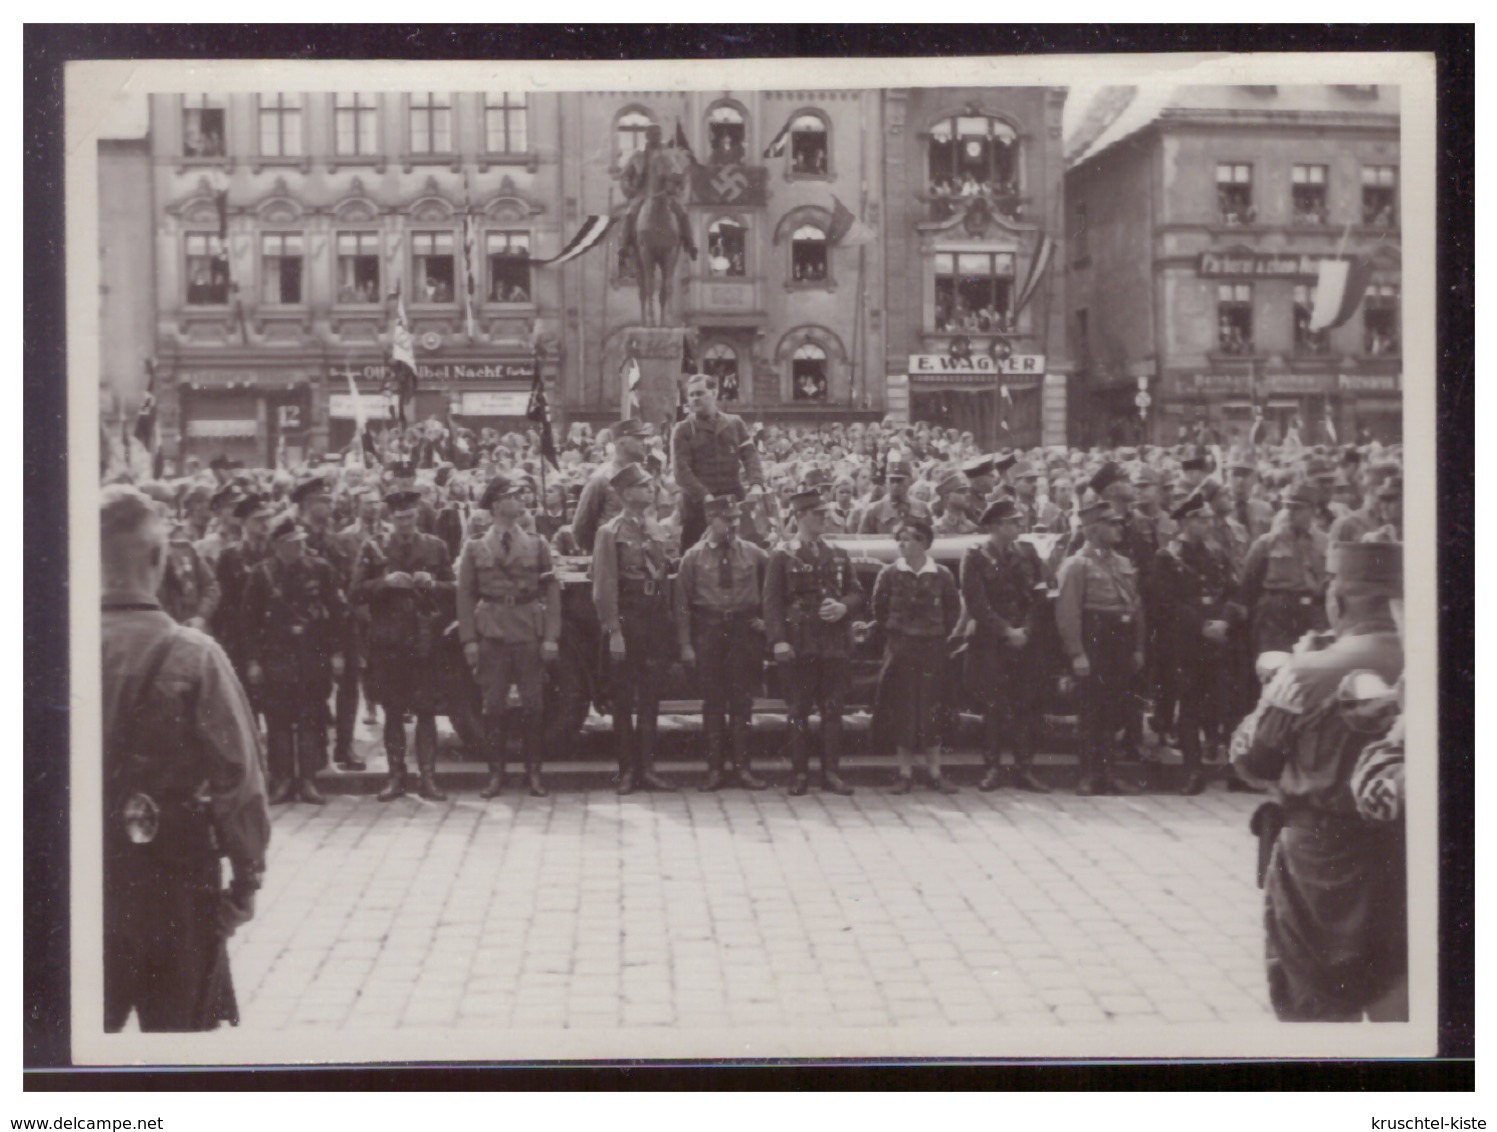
[470,259]
[402,355]
[846,230]
[680,142]
[1037,268]
[632,378]
[1330,423]
[781,140]
[1007,399]
[1339,288]
[145,416]
[539,411]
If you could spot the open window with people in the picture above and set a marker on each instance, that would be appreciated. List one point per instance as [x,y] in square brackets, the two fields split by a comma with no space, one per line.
[808,256]
[358,267]
[1380,196]
[1309,188]
[281,268]
[726,248]
[808,146]
[509,267]
[432,267]
[973,156]
[808,373]
[1380,320]
[721,361]
[727,135]
[1234,194]
[207,270]
[1234,318]
[203,125]
[1307,341]
[974,292]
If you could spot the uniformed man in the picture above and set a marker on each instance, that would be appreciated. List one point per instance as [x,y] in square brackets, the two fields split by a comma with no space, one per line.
[1150,530]
[509,620]
[1255,515]
[810,594]
[1099,614]
[981,476]
[720,631]
[1025,480]
[882,517]
[224,530]
[1193,470]
[712,453]
[314,508]
[1003,586]
[1197,604]
[404,580]
[180,792]
[956,503]
[1223,531]
[631,592]
[1284,578]
[295,627]
[235,565]
[1336,884]
[189,591]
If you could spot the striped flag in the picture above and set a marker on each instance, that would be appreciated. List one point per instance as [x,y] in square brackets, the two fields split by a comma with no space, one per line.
[846,230]
[1330,424]
[587,237]
[1008,405]
[680,142]
[1037,268]
[632,378]
[538,411]
[470,259]
[1338,291]
[781,139]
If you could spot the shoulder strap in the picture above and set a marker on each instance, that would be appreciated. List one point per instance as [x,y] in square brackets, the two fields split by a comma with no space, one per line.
[122,737]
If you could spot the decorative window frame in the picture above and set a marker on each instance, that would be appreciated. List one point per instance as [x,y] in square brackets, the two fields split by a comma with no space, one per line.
[187,161]
[379,159]
[449,157]
[748,129]
[357,213]
[784,234]
[974,110]
[198,216]
[302,161]
[280,216]
[750,266]
[528,157]
[616,163]
[434,215]
[831,161]
[836,359]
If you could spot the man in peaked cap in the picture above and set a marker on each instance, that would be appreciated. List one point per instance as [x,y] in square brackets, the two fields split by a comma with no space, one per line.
[1335,887]
[954,494]
[883,517]
[599,502]
[403,579]
[1255,515]
[1100,616]
[295,618]
[718,626]
[224,530]
[1025,478]
[810,595]
[235,565]
[1003,587]
[509,621]
[982,475]
[1284,578]
[1196,605]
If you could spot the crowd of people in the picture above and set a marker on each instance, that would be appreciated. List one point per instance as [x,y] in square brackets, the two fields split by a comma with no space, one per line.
[1166,573]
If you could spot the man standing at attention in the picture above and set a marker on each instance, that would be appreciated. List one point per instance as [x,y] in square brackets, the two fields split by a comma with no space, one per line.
[599,502]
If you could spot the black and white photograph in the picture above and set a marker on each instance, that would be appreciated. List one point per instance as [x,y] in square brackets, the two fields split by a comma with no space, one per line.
[869,559]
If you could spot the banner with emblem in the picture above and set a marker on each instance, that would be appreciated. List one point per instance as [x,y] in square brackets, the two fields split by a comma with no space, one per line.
[740,186]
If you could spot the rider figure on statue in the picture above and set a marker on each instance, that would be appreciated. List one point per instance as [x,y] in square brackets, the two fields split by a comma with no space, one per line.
[635,182]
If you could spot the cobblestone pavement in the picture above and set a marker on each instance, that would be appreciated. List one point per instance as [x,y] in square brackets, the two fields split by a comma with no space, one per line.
[586,910]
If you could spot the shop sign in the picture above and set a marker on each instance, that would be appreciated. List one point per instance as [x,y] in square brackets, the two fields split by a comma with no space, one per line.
[1296,382]
[1242,383]
[439,371]
[222,429]
[290,417]
[1264,265]
[975,366]
[495,404]
[1215,383]
[1367,382]
[341,406]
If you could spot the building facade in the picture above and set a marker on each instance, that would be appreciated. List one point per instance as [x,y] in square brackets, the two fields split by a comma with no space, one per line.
[973,180]
[1196,220]
[127,321]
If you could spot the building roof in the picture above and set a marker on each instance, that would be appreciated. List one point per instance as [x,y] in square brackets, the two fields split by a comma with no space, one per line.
[1118,113]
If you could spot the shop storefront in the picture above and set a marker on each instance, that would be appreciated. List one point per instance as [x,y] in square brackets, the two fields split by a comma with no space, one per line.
[241,414]
[1325,407]
[1002,405]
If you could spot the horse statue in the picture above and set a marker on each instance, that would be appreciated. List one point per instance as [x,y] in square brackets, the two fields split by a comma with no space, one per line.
[657,239]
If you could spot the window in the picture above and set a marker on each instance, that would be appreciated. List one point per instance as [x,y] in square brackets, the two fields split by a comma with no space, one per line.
[431,123]
[974,292]
[202,125]
[722,363]
[1380,320]
[355,124]
[808,146]
[1308,188]
[432,268]
[1078,231]
[281,267]
[973,156]
[727,135]
[1305,340]
[629,134]
[504,122]
[808,254]
[207,270]
[509,267]
[1234,194]
[808,380]
[726,248]
[280,125]
[1234,318]
[1380,196]
[358,267]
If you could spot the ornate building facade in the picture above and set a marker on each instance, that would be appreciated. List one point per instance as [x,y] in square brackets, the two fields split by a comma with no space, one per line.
[1197,218]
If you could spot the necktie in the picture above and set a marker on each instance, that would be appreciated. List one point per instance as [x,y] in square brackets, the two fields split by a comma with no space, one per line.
[1242,512]
[725,568]
[505,541]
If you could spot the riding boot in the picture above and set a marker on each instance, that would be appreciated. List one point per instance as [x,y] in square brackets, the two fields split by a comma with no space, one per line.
[625,737]
[395,756]
[648,731]
[799,760]
[534,740]
[306,770]
[992,755]
[1190,747]
[738,729]
[831,753]
[1024,774]
[712,733]
[493,741]
[426,759]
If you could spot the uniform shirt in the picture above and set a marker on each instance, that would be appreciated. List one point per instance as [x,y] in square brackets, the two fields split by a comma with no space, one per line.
[1194,584]
[1296,739]
[325,544]
[1229,536]
[488,574]
[597,504]
[351,540]
[188,588]
[916,603]
[293,608]
[801,574]
[1285,561]
[234,568]
[839,521]
[1002,589]
[883,517]
[699,581]
[627,550]
[1353,527]
[708,454]
[1098,580]
[212,545]
[951,523]
[1255,515]
[195,714]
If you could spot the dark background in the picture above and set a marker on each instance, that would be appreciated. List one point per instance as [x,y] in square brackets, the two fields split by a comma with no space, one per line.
[49,47]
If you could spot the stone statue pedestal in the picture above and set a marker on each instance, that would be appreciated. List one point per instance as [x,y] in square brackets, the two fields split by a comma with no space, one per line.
[658,350]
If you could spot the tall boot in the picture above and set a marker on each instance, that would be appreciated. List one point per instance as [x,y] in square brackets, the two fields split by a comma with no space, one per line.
[280,743]
[992,753]
[799,759]
[426,758]
[395,755]
[493,740]
[648,731]
[308,761]
[533,738]
[738,729]
[1024,759]
[1190,747]
[831,752]
[712,734]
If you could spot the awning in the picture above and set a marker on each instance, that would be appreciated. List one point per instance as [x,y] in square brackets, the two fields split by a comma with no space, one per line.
[222,429]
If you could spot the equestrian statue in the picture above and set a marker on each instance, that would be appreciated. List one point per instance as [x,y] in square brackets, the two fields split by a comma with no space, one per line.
[655,224]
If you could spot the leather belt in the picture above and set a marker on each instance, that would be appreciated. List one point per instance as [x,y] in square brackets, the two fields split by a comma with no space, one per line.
[635,587]
[706,613]
[511,599]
